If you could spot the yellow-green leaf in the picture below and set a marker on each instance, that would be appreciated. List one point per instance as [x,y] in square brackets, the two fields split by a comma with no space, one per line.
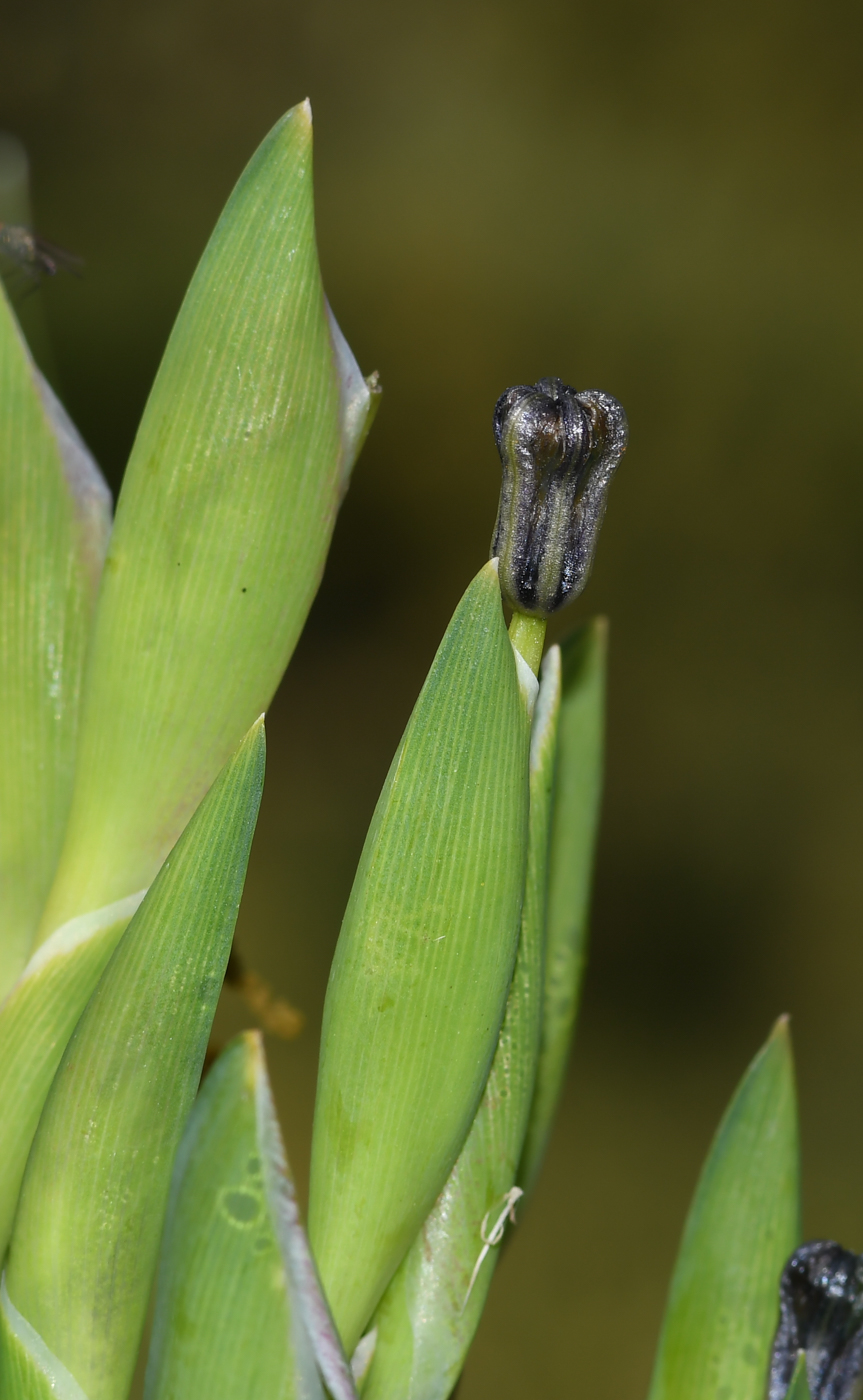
[423,964]
[36,1021]
[55,513]
[428,1316]
[743,1224]
[86,1234]
[223,524]
[227,1322]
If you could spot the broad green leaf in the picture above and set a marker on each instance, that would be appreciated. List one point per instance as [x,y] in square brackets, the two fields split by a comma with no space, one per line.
[424,962]
[55,513]
[93,1198]
[223,524]
[427,1317]
[575,814]
[227,1323]
[743,1224]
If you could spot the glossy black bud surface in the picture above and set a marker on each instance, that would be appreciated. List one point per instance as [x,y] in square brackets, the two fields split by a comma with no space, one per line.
[821,1314]
[559,450]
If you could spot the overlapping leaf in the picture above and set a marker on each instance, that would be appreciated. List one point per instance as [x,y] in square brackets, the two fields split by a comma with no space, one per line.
[430,1311]
[55,513]
[424,962]
[222,529]
[575,814]
[239,1312]
[93,1199]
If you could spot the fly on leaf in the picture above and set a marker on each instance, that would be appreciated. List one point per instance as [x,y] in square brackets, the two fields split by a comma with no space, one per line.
[34,257]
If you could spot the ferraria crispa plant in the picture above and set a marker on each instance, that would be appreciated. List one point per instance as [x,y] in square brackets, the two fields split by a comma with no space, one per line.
[134,675]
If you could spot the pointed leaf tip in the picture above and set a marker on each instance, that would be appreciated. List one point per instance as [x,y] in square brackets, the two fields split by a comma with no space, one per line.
[779,1044]
[252,513]
[742,1226]
[247,1336]
[799,1387]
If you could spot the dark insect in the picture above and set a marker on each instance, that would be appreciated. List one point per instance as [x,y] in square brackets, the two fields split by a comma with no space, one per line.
[34,258]
[820,1313]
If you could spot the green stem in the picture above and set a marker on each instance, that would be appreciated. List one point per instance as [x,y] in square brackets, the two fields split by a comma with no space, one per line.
[527,635]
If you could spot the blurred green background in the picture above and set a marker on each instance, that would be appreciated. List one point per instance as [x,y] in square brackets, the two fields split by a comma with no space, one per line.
[661,200]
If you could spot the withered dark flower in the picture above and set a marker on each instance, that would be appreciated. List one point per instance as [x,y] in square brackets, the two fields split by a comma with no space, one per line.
[559,450]
[821,1314]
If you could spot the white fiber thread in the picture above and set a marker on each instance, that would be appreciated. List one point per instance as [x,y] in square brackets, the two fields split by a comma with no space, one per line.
[489,1241]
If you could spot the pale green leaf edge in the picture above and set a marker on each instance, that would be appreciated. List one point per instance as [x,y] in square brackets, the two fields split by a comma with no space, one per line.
[29,1370]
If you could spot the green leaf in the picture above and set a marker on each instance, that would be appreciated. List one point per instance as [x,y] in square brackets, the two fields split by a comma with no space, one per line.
[575,816]
[799,1387]
[223,525]
[428,1316]
[742,1226]
[232,1307]
[36,1022]
[28,1370]
[55,513]
[93,1198]
[424,962]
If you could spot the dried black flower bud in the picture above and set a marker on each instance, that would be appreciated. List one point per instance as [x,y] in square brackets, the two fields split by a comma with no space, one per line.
[559,450]
[820,1313]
